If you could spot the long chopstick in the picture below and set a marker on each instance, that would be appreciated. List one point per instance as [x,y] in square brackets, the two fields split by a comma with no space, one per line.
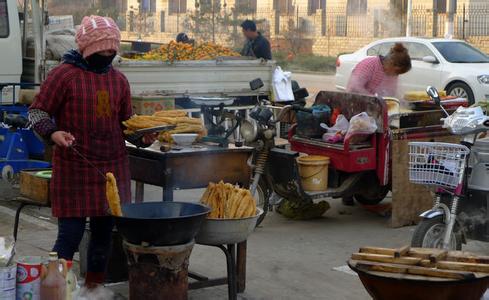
[88,162]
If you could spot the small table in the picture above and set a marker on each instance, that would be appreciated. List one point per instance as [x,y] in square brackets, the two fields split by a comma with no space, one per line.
[191,168]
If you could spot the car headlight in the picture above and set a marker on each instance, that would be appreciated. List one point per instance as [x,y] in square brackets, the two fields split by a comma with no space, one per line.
[484,79]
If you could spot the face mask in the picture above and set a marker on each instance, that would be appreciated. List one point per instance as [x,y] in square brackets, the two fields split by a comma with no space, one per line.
[98,61]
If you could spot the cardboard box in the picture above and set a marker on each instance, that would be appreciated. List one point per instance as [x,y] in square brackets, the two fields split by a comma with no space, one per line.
[148,105]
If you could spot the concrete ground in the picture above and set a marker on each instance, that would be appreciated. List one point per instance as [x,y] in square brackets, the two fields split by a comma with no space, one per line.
[286,259]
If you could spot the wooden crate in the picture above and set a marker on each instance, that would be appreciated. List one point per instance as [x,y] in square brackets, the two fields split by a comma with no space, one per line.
[33,187]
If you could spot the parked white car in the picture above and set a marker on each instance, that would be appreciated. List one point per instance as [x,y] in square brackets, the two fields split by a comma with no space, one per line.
[451,65]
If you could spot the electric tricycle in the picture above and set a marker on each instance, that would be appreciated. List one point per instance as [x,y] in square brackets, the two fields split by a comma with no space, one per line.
[358,170]
[459,176]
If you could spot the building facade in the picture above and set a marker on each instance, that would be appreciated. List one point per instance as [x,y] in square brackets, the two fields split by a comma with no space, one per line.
[327,27]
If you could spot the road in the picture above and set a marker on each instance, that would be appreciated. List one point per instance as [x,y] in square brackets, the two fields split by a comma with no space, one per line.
[315,82]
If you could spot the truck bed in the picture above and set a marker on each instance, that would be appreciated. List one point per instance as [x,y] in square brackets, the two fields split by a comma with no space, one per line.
[219,77]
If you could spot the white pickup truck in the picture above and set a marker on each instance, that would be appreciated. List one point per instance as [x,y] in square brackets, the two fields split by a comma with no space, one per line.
[220,77]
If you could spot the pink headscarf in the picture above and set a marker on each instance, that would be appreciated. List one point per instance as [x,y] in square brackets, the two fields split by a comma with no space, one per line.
[97,34]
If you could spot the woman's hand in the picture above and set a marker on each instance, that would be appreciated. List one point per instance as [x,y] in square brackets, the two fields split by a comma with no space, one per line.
[149,138]
[62,138]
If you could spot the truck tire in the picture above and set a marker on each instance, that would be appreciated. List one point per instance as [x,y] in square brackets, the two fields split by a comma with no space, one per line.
[429,234]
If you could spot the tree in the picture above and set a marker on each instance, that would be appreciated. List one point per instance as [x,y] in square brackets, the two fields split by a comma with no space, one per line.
[211,21]
[234,19]
[138,20]
[294,36]
[204,22]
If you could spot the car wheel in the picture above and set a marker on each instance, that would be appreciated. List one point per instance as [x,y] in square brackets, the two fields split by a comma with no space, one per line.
[462,90]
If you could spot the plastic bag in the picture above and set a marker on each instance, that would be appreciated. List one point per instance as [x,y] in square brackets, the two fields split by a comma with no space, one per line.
[340,126]
[361,124]
[336,133]
[98,293]
[7,249]
[282,85]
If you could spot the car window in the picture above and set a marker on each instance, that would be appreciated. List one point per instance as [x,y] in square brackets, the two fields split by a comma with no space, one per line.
[417,51]
[460,52]
[385,48]
[373,51]
[4,28]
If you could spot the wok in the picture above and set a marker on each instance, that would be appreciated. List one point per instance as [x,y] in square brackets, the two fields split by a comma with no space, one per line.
[161,223]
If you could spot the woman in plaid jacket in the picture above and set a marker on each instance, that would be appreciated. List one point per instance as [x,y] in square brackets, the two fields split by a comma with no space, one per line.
[81,105]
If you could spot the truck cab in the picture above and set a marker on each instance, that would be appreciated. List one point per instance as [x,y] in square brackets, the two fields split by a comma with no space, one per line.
[10,43]
[19,64]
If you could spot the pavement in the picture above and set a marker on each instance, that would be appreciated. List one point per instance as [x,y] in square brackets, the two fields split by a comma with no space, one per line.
[286,259]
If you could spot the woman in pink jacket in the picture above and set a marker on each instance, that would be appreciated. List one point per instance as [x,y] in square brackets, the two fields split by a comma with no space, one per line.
[378,75]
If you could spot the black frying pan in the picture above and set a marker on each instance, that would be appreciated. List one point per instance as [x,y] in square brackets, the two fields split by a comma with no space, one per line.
[161,223]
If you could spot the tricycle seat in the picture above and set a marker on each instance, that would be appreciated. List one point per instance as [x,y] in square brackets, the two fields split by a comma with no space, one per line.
[348,156]
[343,157]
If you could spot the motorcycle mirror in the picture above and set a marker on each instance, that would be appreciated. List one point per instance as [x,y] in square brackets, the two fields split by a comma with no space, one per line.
[256,84]
[433,93]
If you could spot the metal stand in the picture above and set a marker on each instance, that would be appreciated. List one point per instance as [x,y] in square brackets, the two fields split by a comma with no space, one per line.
[23,203]
[230,280]
[17,218]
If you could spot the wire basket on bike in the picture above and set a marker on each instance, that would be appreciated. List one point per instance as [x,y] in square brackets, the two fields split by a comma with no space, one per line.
[437,164]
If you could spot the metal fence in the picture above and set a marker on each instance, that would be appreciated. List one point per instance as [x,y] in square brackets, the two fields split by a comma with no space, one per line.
[341,21]
[469,21]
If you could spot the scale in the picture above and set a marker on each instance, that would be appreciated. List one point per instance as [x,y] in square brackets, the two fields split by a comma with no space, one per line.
[215,116]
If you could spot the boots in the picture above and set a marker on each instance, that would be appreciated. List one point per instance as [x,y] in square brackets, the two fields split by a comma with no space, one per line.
[94,279]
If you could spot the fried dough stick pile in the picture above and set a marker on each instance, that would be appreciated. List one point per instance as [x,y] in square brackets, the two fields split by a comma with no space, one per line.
[184,125]
[112,194]
[179,118]
[228,201]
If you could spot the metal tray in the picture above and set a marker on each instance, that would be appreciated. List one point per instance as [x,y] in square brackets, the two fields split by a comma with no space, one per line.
[212,101]
[155,129]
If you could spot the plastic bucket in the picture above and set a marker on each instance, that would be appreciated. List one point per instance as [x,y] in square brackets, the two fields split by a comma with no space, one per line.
[7,282]
[313,170]
[29,269]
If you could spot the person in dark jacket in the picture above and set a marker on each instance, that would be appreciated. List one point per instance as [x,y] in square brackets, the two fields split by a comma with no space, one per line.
[182,37]
[256,45]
